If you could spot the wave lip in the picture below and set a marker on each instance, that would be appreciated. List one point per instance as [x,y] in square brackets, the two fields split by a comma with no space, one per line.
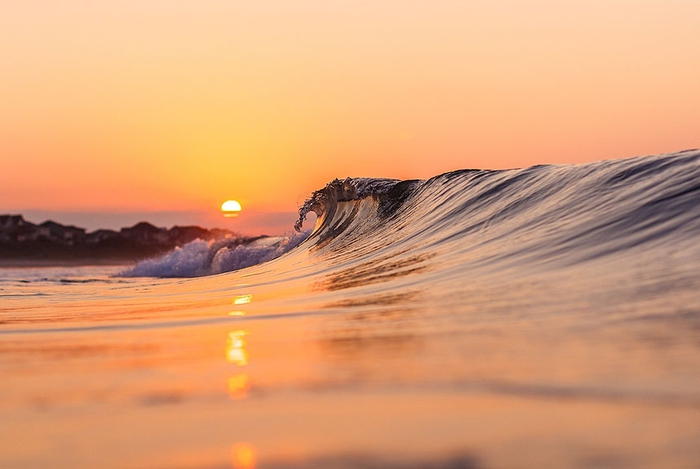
[323,200]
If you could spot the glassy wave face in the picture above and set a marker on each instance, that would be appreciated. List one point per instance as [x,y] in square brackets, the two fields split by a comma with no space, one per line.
[544,216]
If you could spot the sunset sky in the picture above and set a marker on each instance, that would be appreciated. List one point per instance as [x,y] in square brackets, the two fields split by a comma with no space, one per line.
[112,111]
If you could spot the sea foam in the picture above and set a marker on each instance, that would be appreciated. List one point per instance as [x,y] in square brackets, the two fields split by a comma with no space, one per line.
[198,257]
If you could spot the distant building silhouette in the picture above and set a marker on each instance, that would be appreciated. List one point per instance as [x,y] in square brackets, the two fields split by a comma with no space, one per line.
[53,231]
[20,239]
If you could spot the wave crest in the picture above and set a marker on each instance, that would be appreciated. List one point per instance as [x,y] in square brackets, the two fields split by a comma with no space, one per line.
[544,215]
[323,200]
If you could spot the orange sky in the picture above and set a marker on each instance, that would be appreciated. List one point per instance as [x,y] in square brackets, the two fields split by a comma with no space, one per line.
[178,105]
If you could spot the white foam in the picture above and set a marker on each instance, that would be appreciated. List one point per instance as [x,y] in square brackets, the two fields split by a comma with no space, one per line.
[199,257]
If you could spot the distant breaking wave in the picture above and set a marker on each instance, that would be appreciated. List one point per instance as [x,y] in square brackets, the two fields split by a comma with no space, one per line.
[541,217]
[199,258]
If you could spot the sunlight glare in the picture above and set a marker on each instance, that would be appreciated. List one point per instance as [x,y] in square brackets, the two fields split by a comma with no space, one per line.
[231,208]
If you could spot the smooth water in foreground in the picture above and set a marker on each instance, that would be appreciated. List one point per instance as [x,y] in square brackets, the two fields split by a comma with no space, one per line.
[545,317]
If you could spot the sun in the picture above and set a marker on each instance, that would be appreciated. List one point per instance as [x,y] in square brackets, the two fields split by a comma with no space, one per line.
[231,208]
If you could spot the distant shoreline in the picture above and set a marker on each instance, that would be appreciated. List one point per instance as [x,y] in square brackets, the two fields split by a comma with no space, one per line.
[51,244]
[30,263]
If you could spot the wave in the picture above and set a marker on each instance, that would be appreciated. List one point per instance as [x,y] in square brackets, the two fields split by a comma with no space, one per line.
[198,258]
[545,216]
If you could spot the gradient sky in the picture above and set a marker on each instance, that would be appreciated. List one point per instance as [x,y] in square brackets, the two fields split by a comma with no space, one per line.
[175,106]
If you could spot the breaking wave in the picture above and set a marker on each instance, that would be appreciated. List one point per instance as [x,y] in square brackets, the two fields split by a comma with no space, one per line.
[198,258]
[542,217]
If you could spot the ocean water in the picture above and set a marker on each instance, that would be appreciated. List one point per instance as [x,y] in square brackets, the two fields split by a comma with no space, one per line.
[539,317]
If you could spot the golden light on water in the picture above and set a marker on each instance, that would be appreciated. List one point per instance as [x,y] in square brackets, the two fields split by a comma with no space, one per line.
[238,386]
[231,208]
[235,349]
[242,299]
[243,455]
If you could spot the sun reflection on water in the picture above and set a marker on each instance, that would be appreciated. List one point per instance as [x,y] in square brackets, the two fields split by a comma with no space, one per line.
[235,349]
[238,386]
[243,456]
[242,299]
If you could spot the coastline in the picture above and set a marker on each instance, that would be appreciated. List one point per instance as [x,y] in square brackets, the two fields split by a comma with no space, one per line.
[51,244]
[31,263]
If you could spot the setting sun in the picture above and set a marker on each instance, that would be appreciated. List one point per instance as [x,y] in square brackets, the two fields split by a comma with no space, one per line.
[230,208]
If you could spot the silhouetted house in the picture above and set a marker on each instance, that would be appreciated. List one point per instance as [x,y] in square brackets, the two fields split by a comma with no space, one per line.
[16,228]
[145,233]
[27,232]
[101,236]
[50,238]
[64,234]
[12,222]
[7,221]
